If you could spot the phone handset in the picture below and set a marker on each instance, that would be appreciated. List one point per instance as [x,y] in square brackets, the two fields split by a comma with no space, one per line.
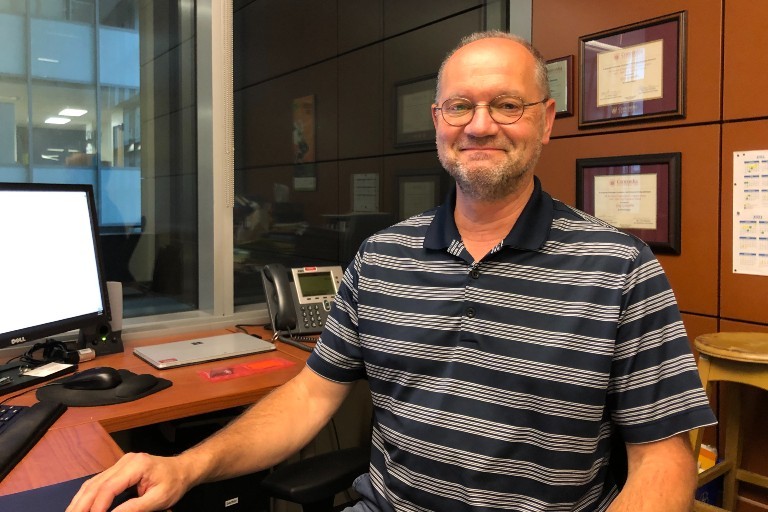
[284,316]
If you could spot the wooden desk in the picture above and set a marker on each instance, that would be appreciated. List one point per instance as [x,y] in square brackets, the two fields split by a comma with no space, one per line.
[79,444]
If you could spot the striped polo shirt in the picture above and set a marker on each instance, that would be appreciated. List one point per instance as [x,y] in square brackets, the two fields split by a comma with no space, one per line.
[497,384]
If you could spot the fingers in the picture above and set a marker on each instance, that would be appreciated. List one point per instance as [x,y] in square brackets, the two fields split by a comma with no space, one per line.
[145,471]
[152,500]
[98,492]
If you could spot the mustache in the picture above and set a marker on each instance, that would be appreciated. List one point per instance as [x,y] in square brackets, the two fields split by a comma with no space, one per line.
[483,142]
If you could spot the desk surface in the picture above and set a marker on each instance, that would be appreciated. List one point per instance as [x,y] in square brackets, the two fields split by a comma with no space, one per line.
[80,440]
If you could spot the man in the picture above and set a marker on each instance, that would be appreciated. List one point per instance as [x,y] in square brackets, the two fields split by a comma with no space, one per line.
[506,339]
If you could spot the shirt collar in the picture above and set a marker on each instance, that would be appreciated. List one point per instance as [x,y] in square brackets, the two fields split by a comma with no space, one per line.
[529,232]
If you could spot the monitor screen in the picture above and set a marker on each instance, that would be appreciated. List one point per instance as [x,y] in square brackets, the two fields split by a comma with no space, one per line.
[50,267]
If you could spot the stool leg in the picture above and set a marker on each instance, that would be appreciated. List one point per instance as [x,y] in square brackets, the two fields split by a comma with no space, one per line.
[733,445]
[697,435]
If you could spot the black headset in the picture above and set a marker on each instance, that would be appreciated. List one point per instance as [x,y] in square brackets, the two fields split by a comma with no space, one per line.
[53,352]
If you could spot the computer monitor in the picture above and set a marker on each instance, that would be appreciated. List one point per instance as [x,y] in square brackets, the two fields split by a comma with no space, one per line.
[50,266]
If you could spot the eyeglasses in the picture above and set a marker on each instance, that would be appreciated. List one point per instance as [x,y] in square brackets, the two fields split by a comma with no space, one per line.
[502,109]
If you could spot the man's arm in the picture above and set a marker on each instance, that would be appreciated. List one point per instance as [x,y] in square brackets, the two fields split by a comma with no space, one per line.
[285,420]
[661,476]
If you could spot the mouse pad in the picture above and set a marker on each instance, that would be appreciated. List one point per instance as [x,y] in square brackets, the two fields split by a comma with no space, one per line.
[53,498]
[131,388]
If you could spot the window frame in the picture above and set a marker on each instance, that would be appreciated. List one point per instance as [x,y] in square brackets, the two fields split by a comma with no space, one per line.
[215,184]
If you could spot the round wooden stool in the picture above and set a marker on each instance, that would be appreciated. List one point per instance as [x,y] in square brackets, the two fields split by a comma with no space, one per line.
[735,358]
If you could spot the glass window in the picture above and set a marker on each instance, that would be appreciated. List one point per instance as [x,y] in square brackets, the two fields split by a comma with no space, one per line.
[112,104]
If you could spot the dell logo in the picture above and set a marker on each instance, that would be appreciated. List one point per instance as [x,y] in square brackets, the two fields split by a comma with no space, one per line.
[20,339]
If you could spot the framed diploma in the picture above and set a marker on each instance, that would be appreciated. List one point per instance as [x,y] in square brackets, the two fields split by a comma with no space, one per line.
[639,194]
[413,111]
[418,192]
[560,72]
[633,73]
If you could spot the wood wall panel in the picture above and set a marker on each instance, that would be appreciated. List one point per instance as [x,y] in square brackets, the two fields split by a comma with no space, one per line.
[558,24]
[259,142]
[746,60]
[693,273]
[734,326]
[744,297]
[403,15]
[696,325]
[361,22]
[291,34]
[361,92]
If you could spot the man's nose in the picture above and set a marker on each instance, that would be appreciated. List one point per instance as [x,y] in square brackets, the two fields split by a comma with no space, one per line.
[482,123]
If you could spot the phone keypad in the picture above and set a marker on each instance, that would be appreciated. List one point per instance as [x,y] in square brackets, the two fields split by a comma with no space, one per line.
[312,316]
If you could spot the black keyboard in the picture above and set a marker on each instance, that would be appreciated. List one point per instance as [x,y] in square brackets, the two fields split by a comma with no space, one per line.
[21,427]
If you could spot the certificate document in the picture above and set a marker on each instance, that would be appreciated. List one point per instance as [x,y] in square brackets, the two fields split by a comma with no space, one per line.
[414,111]
[416,197]
[558,84]
[634,73]
[627,201]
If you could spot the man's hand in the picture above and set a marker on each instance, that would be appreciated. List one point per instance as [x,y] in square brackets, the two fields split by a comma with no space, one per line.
[160,482]
[286,419]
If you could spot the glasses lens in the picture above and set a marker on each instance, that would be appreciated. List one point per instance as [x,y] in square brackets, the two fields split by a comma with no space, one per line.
[457,111]
[507,109]
[503,110]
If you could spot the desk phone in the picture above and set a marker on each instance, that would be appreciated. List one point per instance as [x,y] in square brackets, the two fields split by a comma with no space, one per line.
[299,299]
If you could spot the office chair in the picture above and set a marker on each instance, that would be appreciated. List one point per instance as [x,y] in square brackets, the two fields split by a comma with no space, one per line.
[314,482]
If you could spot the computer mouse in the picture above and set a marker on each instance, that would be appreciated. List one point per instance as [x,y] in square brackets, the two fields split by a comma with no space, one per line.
[102,377]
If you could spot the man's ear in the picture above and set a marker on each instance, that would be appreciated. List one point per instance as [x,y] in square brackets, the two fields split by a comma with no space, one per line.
[434,115]
[549,120]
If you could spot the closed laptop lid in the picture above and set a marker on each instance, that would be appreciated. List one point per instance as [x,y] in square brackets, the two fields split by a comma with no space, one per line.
[200,350]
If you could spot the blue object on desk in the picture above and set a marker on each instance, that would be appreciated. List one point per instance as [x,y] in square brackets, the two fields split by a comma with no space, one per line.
[53,498]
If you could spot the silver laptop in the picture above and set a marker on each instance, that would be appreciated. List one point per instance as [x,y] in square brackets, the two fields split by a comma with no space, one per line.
[201,350]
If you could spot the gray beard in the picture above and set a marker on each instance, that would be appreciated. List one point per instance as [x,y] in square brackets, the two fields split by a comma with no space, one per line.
[490,183]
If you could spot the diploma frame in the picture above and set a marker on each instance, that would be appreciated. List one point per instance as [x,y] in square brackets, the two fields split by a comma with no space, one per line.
[413,111]
[418,192]
[652,100]
[665,238]
[560,73]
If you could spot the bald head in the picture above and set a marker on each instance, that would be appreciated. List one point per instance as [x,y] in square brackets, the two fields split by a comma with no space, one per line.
[501,39]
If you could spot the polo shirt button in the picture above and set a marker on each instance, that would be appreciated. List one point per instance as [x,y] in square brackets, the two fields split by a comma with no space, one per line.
[470,312]
[475,273]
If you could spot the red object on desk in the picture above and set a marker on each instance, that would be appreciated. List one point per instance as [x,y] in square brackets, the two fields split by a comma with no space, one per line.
[244,369]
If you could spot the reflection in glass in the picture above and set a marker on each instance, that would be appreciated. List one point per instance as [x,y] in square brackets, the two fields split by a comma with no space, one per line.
[13,114]
[63,124]
[72,110]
